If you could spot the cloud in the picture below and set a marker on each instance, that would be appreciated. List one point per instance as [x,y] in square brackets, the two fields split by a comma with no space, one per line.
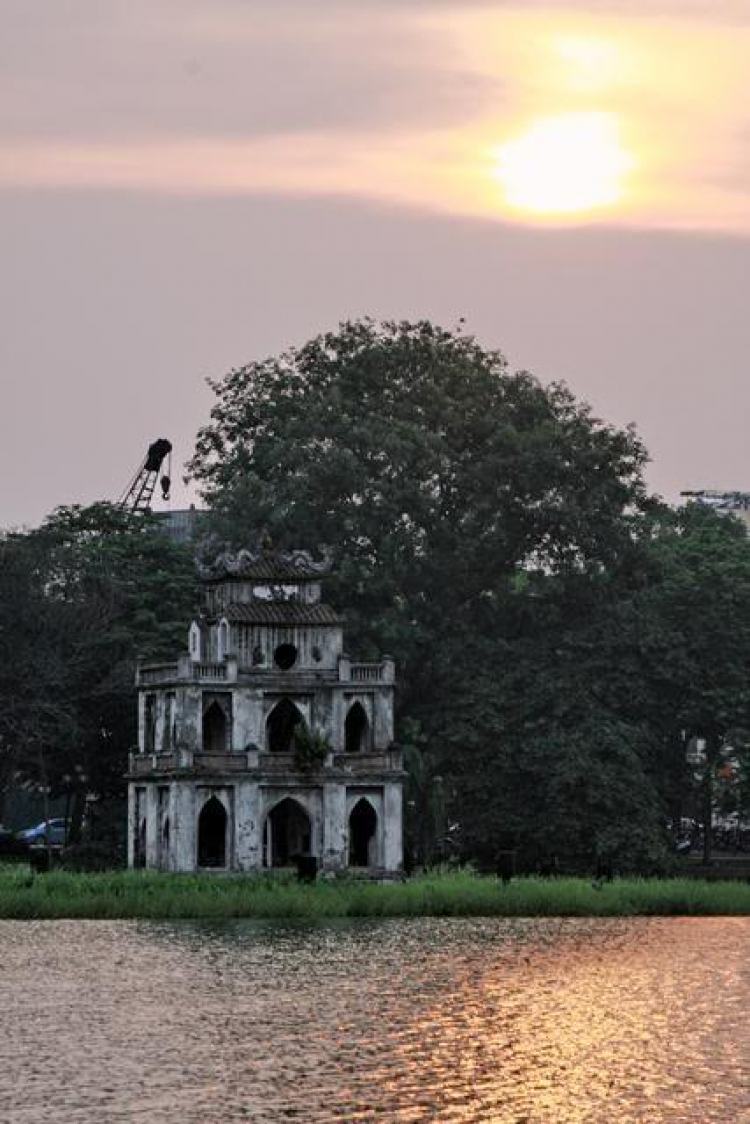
[406,103]
[225,69]
[724,11]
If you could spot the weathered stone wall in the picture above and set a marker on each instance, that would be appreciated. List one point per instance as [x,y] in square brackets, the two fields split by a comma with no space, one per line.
[190,717]
[384,719]
[248,726]
[237,683]
[247,804]
[318,648]
[249,827]
[393,825]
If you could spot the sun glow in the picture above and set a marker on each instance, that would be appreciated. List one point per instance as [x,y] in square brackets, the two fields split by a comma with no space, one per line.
[564,165]
[589,65]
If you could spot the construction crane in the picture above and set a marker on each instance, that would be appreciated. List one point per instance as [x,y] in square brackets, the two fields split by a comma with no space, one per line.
[137,496]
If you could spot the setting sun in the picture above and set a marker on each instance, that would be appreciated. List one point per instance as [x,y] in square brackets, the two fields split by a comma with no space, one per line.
[565,164]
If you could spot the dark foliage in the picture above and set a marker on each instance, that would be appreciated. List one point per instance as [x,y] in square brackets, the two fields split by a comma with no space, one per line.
[80,598]
[500,541]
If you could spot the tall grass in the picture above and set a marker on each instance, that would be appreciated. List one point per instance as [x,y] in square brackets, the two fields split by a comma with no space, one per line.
[141,894]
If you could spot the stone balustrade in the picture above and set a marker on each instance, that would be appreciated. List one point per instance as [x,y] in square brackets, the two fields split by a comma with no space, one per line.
[187,671]
[367,762]
[228,670]
[375,672]
[151,675]
[367,673]
[210,672]
[142,764]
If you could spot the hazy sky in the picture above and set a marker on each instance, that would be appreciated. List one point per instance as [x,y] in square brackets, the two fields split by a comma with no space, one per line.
[186,185]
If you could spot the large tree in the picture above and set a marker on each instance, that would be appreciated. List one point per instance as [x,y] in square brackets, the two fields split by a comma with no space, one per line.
[606,680]
[435,474]
[479,521]
[692,622]
[80,598]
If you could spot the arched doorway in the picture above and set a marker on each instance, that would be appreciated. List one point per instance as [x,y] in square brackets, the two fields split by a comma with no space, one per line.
[363,827]
[355,729]
[288,833]
[280,726]
[164,856]
[140,844]
[212,834]
[214,729]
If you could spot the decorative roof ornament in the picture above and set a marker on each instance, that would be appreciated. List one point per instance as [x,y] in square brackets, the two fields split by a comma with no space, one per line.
[267,565]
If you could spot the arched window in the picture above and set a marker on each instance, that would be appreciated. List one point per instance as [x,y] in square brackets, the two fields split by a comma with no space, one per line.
[212,834]
[195,642]
[363,827]
[223,640]
[215,729]
[149,724]
[355,729]
[280,726]
[288,833]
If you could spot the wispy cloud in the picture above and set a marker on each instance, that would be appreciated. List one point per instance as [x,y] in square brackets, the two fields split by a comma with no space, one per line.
[177,69]
[407,103]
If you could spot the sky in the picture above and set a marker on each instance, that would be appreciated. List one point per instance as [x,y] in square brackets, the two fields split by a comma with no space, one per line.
[186,186]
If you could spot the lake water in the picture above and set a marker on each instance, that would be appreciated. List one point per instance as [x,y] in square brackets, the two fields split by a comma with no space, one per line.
[559,1021]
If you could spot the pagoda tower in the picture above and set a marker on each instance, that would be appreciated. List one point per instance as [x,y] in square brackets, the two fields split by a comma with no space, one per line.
[265,744]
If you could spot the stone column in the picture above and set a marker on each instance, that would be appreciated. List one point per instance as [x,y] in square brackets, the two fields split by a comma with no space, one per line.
[393,828]
[382,718]
[152,827]
[141,721]
[131,825]
[190,718]
[248,831]
[337,720]
[334,855]
[172,813]
[247,724]
[183,828]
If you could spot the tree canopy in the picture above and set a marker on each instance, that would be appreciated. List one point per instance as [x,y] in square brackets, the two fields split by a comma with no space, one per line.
[438,477]
[81,597]
[557,629]
[560,634]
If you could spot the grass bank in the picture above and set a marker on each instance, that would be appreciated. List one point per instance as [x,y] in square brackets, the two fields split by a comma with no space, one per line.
[139,894]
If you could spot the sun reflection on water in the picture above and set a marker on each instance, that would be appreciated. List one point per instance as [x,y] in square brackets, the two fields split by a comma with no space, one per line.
[552,1021]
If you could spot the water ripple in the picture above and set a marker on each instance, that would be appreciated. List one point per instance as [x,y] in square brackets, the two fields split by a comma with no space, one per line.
[553,1021]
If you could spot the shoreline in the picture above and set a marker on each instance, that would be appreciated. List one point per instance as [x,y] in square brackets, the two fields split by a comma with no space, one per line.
[145,895]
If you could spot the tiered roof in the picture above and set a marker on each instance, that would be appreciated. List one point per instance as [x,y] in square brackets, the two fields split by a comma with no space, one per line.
[289,612]
[266,566]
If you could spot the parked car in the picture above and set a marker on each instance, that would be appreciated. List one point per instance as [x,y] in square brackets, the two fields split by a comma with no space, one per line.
[37,836]
[11,847]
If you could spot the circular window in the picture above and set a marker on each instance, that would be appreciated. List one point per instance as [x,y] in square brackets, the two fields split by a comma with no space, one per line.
[285,656]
